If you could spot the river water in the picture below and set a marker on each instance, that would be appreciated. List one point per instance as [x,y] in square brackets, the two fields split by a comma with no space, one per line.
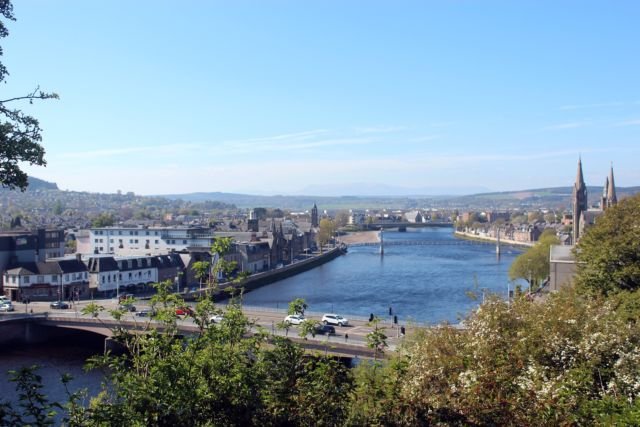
[425,275]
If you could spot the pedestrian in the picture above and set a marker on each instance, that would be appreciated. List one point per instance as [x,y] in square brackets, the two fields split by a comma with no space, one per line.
[346,337]
[402,330]
[371,317]
[390,311]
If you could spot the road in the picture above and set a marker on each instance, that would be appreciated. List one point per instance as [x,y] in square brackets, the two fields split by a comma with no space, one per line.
[354,334]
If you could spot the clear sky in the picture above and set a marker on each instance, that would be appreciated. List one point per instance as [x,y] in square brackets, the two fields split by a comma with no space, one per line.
[276,97]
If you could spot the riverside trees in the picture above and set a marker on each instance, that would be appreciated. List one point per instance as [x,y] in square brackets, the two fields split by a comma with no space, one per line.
[533,265]
[609,253]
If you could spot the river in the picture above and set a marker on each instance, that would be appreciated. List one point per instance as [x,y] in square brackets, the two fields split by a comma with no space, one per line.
[425,275]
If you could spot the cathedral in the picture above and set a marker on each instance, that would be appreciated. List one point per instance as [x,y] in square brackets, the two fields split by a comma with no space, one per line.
[582,216]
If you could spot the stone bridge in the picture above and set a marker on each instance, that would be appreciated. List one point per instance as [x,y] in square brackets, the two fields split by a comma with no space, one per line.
[43,327]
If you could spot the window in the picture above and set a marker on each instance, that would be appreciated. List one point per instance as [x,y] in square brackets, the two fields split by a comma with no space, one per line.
[101,249]
[184,242]
[110,240]
[54,277]
[40,279]
[66,277]
[95,241]
[147,233]
[103,279]
[13,279]
[26,280]
[130,233]
[130,241]
[136,241]
[156,242]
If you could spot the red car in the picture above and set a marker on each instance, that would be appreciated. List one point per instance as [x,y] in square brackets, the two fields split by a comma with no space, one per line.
[184,311]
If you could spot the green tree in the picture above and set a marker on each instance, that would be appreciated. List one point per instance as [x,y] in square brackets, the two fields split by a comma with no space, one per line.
[201,271]
[103,220]
[20,134]
[608,253]
[533,265]
[58,208]
[221,247]
[297,306]
[377,339]
[327,229]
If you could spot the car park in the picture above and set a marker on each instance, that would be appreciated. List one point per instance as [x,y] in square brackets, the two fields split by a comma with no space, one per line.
[334,319]
[323,329]
[294,319]
[59,305]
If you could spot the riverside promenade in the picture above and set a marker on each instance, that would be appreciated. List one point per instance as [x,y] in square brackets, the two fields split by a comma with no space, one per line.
[485,238]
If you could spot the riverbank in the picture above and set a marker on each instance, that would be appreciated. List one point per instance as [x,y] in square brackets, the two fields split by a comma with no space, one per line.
[258,280]
[484,238]
[360,237]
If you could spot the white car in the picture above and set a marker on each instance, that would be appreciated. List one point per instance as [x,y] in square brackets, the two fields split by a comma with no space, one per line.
[6,307]
[294,319]
[216,318]
[334,319]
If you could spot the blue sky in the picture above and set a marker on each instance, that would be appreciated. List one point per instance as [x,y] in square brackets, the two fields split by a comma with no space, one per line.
[277,97]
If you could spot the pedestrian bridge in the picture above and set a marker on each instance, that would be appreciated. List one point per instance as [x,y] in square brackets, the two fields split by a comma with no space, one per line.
[457,242]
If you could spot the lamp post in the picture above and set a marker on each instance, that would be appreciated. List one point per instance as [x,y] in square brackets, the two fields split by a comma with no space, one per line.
[178,279]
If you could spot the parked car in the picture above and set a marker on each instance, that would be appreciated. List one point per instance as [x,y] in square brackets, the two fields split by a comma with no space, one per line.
[7,307]
[59,305]
[294,319]
[127,307]
[325,329]
[216,318]
[334,319]
[184,311]
[145,312]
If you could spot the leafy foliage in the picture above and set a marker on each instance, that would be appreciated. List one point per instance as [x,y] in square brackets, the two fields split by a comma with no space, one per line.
[533,265]
[297,306]
[608,253]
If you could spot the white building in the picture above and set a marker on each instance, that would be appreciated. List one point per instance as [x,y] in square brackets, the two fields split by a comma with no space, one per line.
[130,241]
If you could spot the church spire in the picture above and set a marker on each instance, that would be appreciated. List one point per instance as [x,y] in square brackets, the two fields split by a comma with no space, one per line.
[579,201]
[612,199]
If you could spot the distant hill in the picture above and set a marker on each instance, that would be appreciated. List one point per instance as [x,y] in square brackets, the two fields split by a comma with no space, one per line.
[547,197]
[543,197]
[40,184]
[36,184]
